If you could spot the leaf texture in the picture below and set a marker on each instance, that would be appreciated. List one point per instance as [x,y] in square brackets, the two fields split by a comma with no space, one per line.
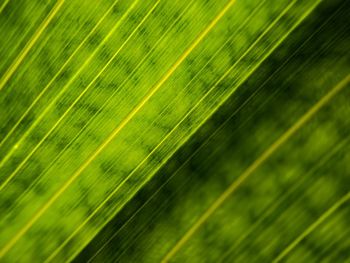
[174,131]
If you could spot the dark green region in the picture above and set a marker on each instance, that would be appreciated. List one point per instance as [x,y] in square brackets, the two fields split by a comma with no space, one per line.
[284,196]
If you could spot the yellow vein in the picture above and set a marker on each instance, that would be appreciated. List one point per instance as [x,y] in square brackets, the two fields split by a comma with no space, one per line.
[204,144]
[154,150]
[163,185]
[30,223]
[135,69]
[104,104]
[11,70]
[328,156]
[86,62]
[32,105]
[275,46]
[312,227]
[224,122]
[188,113]
[197,104]
[63,116]
[207,141]
[285,197]
[134,170]
[137,167]
[4,4]
[255,165]
[44,112]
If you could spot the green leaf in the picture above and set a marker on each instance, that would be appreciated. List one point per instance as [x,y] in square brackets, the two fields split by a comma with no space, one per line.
[181,131]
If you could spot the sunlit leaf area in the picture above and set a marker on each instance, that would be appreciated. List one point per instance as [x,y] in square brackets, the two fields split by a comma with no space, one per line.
[175,131]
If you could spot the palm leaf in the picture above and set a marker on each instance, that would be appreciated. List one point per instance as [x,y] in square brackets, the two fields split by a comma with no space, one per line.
[195,131]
